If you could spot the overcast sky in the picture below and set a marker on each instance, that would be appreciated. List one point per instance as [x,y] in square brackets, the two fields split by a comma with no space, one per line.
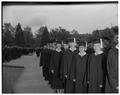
[83,18]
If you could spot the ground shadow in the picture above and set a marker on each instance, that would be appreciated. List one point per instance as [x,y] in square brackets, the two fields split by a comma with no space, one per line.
[10,75]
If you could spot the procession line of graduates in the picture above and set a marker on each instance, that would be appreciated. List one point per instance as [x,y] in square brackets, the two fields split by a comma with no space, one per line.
[14,52]
[72,68]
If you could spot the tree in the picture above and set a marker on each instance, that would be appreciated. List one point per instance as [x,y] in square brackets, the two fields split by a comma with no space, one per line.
[41,36]
[75,34]
[115,29]
[63,34]
[8,38]
[59,34]
[45,36]
[19,36]
[96,34]
[8,26]
[8,34]
[29,40]
[37,39]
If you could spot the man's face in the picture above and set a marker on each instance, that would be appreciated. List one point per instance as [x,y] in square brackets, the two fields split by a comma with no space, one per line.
[97,47]
[81,48]
[45,46]
[115,39]
[48,45]
[53,45]
[65,46]
[71,44]
[58,45]
[105,43]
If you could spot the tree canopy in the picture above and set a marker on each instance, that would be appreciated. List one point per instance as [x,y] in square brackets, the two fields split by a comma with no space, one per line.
[24,37]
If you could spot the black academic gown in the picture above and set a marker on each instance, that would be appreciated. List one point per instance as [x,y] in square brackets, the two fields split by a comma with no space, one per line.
[46,64]
[112,69]
[38,52]
[51,52]
[79,73]
[63,68]
[96,73]
[48,75]
[42,57]
[56,59]
[44,61]
[3,55]
[69,86]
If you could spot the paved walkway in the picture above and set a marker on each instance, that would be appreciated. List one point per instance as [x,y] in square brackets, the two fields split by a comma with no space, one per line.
[31,80]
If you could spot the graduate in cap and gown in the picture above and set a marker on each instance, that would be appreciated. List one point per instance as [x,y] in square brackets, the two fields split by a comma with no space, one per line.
[79,68]
[44,61]
[68,57]
[51,52]
[106,45]
[96,69]
[90,49]
[38,52]
[65,45]
[42,55]
[112,68]
[56,60]
[47,61]
[63,72]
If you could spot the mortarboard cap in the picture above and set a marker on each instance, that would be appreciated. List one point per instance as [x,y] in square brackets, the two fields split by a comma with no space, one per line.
[81,43]
[99,40]
[70,39]
[53,40]
[94,41]
[106,38]
[65,41]
[59,41]
[49,41]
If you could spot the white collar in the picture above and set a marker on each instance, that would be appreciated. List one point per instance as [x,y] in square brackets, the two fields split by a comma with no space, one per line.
[99,53]
[117,46]
[82,54]
[72,49]
[58,50]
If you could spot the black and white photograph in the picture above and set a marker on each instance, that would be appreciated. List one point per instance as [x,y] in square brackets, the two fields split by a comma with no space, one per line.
[59,47]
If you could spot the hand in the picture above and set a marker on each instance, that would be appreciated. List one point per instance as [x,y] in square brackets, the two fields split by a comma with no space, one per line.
[52,71]
[100,86]
[65,76]
[88,82]
[117,87]
[74,80]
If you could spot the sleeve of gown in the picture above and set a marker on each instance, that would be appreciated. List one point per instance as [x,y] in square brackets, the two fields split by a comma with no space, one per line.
[88,68]
[62,67]
[111,71]
[41,59]
[101,71]
[73,68]
[51,62]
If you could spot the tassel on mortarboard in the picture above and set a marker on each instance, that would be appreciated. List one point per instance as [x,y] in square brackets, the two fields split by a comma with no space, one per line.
[62,42]
[74,41]
[86,46]
[101,42]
